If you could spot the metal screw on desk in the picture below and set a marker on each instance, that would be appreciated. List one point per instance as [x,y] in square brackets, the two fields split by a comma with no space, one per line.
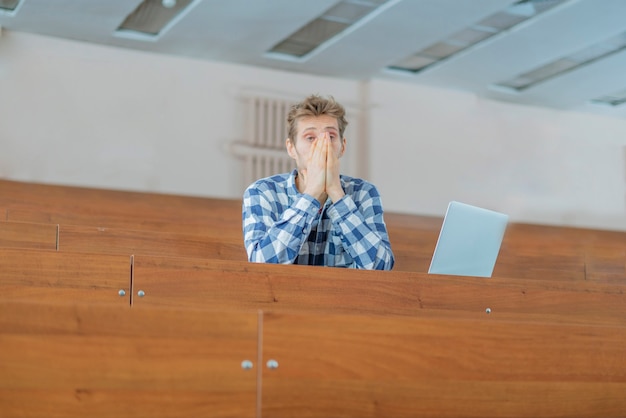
[246,365]
[272,364]
[122,292]
[141,293]
[488,310]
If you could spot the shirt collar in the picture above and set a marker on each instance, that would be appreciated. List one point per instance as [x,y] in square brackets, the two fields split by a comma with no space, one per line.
[292,190]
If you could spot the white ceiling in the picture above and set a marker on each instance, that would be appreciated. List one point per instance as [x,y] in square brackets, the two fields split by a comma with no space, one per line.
[242,31]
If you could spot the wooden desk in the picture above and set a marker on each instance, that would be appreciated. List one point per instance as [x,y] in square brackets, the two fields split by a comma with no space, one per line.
[167,281]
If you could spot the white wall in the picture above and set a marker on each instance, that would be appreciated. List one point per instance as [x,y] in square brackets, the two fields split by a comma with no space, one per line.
[73,113]
[81,114]
[538,165]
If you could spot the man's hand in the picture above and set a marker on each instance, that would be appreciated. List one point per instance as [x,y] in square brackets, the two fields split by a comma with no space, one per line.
[321,178]
[315,174]
[333,184]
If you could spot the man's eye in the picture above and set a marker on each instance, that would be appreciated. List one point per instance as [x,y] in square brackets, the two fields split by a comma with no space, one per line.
[310,138]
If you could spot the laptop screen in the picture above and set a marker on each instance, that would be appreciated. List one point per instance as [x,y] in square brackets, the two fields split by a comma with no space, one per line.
[469,241]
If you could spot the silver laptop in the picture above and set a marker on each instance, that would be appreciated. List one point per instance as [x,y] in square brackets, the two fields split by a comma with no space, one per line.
[469,241]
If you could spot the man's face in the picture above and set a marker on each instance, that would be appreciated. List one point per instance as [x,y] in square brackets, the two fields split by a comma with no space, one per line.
[309,129]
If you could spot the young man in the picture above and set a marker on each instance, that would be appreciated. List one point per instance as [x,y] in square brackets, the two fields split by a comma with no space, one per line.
[314,215]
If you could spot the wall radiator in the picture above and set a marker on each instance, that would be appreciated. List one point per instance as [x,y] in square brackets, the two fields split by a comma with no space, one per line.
[263,150]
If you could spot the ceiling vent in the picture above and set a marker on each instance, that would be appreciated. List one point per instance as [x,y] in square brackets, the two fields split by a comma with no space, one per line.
[496,23]
[9,5]
[152,17]
[562,65]
[616,99]
[336,20]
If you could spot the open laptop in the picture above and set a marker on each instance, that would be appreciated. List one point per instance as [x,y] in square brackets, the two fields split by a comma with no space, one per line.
[469,241]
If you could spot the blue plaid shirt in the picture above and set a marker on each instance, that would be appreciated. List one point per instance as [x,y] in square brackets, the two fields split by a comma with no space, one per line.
[282,225]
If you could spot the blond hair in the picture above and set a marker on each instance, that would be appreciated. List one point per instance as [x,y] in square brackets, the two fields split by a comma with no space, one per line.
[315,105]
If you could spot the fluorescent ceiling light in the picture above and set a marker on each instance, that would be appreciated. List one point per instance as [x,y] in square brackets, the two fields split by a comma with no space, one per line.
[441,50]
[615,99]
[347,12]
[325,27]
[525,8]
[560,66]
[475,34]
[502,20]
[152,16]
[415,61]
[9,4]
[471,36]
[550,70]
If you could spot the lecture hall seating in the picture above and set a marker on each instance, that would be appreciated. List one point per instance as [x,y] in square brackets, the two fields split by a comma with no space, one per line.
[528,250]
[119,303]
[76,360]
[174,281]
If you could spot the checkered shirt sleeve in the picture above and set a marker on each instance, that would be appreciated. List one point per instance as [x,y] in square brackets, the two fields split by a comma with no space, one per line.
[362,229]
[274,231]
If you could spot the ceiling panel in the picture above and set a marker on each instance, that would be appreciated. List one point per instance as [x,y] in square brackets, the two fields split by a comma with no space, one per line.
[242,31]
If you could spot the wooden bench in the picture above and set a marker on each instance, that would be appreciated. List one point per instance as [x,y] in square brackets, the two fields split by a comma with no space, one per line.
[168,281]
[41,275]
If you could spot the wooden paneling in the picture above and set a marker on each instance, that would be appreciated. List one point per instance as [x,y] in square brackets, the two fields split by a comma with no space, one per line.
[39,203]
[528,251]
[123,241]
[543,337]
[213,223]
[28,235]
[101,361]
[284,288]
[354,366]
[217,284]
[53,276]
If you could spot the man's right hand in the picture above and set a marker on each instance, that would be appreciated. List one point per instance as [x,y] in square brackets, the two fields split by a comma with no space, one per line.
[315,174]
